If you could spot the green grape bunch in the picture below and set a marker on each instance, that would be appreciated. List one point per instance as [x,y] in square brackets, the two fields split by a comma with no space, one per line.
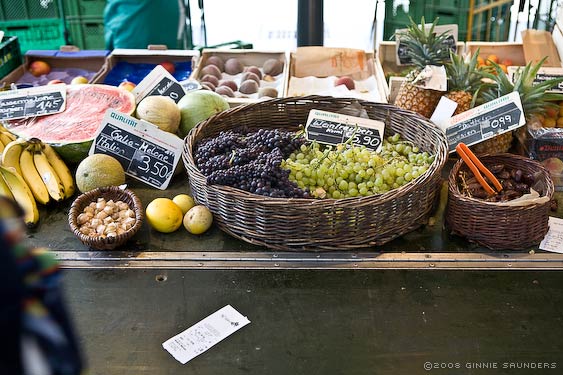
[346,171]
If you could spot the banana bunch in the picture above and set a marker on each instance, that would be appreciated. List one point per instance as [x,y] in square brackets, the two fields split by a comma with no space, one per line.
[34,173]
[5,138]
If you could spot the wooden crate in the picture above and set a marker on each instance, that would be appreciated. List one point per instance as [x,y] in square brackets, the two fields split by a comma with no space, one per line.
[91,61]
[373,68]
[504,50]
[248,57]
[146,56]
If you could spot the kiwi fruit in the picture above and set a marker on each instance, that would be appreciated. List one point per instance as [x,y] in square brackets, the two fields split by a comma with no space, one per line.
[217,61]
[272,67]
[248,87]
[208,86]
[210,78]
[229,83]
[250,75]
[211,69]
[254,70]
[233,66]
[225,91]
[267,91]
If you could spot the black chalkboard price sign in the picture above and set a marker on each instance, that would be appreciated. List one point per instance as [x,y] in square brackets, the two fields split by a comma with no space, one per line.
[145,152]
[334,128]
[168,87]
[40,101]
[486,121]
[159,82]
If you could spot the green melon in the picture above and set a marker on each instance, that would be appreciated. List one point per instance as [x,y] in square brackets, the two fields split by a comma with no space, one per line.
[72,131]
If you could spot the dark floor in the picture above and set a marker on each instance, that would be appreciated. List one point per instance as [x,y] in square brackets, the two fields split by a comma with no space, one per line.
[324,321]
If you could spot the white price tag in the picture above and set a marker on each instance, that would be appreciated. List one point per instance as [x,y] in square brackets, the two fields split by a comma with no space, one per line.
[553,240]
[206,333]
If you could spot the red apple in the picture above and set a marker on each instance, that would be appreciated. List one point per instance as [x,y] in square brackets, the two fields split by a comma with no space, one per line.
[54,82]
[39,68]
[168,66]
[346,81]
[127,85]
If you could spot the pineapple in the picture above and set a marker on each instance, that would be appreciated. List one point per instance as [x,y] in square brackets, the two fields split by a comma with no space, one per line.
[534,99]
[464,81]
[424,47]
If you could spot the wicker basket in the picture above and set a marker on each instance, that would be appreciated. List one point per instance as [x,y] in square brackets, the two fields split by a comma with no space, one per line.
[109,192]
[318,224]
[496,226]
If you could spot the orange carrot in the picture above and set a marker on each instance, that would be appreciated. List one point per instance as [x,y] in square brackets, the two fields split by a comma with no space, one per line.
[473,167]
[481,167]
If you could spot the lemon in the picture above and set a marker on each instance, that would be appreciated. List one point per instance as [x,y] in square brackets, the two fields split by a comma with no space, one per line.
[198,219]
[184,201]
[164,215]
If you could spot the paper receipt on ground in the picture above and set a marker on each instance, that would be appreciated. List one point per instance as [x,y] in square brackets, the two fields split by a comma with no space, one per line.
[553,240]
[203,335]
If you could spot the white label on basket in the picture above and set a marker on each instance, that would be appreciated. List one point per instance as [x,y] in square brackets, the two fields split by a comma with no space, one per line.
[146,153]
[206,333]
[553,240]
[444,111]
[335,128]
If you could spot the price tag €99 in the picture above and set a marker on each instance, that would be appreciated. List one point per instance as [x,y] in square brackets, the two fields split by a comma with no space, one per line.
[146,153]
[335,128]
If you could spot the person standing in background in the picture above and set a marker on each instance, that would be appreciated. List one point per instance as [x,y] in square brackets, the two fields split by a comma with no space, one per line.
[139,23]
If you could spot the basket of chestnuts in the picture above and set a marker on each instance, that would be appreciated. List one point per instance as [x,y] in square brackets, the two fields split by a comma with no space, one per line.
[499,201]
[106,217]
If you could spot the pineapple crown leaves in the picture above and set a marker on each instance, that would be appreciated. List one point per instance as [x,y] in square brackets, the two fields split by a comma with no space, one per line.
[425,47]
[534,97]
[464,75]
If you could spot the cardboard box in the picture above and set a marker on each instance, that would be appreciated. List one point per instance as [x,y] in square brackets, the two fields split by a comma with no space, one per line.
[65,65]
[325,62]
[248,57]
[504,50]
[145,60]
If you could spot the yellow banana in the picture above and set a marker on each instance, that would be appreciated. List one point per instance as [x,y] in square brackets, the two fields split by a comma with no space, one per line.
[11,154]
[32,177]
[22,195]
[2,147]
[5,189]
[6,137]
[61,169]
[50,178]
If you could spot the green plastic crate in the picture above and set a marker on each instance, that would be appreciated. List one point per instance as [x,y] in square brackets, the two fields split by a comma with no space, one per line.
[36,34]
[28,9]
[10,55]
[84,8]
[86,32]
